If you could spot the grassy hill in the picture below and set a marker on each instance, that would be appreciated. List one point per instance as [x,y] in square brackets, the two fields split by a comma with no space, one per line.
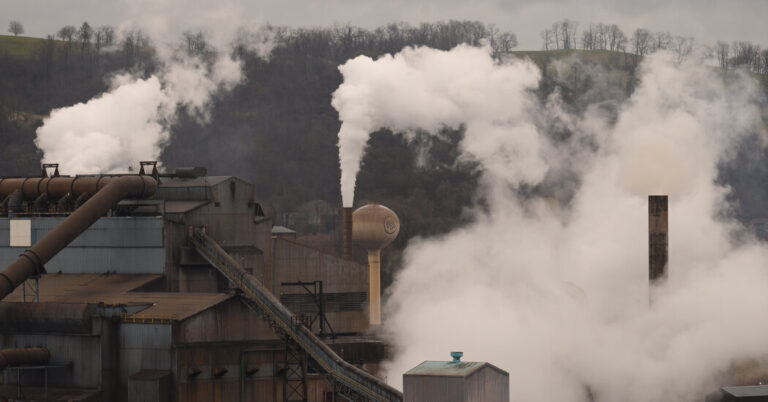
[19,46]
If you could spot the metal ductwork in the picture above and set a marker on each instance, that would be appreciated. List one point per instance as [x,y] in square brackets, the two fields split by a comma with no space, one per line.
[106,192]
[24,355]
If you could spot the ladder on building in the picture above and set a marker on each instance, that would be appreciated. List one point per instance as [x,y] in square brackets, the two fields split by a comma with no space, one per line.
[350,382]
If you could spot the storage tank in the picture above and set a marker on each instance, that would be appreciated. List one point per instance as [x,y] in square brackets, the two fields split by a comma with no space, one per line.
[374,227]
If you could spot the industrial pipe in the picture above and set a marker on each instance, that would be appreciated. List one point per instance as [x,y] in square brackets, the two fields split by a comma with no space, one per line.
[658,238]
[24,355]
[106,190]
[347,233]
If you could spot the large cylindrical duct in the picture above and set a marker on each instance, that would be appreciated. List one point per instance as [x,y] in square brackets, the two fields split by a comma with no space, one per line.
[107,192]
[24,356]
[374,227]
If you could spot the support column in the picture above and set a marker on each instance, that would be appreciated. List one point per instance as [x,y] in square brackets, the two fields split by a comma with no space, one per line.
[374,287]
[658,238]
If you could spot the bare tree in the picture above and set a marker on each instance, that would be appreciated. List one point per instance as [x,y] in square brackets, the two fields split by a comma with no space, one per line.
[764,58]
[16,28]
[641,41]
[84,34]
[616,39]
[66,33]
[588,38]
[108,34]
[501,42]
[747,55]
[659,41]
[723,55]
[548,38]
[682,48]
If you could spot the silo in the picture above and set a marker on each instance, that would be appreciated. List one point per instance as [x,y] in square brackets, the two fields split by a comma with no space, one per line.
[374,227]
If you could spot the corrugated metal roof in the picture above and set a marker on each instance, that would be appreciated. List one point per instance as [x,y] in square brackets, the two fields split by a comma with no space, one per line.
[181,207]
[750,390]
[205,181]
[116,289]
[449,369]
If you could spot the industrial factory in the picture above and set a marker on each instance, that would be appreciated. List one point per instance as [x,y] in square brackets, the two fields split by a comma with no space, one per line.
[179,287]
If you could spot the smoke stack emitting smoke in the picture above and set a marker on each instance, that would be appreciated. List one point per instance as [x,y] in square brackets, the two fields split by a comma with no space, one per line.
[131,122]
[560,298]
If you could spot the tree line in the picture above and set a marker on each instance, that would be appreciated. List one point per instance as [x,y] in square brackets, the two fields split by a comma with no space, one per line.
[565,35]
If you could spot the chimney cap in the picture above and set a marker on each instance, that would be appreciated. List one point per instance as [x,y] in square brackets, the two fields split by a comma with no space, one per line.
[457,356]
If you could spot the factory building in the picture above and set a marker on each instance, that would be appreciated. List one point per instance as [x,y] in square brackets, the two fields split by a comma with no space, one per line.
[179,291]
[456,381]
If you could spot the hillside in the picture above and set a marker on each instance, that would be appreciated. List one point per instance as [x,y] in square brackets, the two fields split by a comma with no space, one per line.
[278,129]
[19,46]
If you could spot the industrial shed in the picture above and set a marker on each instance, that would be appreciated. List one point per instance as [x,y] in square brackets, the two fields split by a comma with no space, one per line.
[456,381]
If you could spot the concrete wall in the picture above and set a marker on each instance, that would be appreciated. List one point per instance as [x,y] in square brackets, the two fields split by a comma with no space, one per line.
[126,245]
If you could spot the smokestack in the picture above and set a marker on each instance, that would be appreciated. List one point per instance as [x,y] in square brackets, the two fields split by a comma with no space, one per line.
[375,227]
[347,236]
[658,238]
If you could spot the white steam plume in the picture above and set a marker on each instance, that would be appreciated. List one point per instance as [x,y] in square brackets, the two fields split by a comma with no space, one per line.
[131,122]
[423,88]
[559,298]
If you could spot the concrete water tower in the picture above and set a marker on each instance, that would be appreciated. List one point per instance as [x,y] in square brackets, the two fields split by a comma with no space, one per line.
[374,226]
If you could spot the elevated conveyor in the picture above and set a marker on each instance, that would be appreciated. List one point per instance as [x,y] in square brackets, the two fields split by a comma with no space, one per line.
[350,382]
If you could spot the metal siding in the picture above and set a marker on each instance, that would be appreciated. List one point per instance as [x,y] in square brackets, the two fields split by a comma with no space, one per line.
[486,385]
[122,245]
[292,262]
[433,389]
[84,352]
[142,347]
[227,322]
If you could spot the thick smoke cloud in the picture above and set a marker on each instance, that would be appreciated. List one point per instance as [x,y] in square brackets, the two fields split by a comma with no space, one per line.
[559,296]
[449,89]
[131,122]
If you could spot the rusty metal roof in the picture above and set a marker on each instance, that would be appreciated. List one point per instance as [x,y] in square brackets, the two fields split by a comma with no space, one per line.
[117,289]
[449,369]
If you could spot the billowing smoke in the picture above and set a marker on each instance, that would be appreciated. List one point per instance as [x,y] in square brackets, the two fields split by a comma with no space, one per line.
[448,89]
[131,122]
[559,297]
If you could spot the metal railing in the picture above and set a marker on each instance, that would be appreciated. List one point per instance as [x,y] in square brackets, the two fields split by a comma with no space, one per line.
[357,383]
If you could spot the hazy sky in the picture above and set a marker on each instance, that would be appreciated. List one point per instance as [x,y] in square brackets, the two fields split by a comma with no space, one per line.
[706,20]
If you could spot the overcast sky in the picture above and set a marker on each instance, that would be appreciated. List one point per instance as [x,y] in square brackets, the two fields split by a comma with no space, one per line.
[706,20]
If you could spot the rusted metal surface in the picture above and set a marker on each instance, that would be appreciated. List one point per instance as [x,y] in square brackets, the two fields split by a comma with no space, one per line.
[46,317]
[24,356]
[108,191]
[658,237]
[347,241]
[116,289]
